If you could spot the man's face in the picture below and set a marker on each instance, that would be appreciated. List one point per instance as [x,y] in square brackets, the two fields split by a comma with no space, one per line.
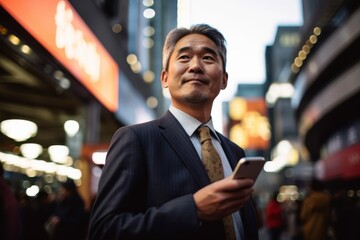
[195,74]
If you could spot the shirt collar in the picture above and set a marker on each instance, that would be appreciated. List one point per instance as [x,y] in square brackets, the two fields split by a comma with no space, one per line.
[189,123]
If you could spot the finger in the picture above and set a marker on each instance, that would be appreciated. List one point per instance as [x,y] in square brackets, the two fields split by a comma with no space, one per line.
[235,185]
[234,205]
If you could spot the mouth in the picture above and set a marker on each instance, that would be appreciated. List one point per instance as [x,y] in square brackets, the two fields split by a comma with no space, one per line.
[196,80]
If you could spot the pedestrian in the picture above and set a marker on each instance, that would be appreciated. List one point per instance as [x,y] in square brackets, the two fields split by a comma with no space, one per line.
[154,184]
[10,216]
[69,217]
[315,213]
[43,207]
[274,217]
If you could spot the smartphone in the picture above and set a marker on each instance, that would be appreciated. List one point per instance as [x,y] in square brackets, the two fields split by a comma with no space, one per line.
[249,167]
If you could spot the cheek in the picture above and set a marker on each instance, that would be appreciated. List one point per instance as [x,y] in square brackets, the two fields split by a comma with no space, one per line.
[176,72]
[219,78]
[178,69]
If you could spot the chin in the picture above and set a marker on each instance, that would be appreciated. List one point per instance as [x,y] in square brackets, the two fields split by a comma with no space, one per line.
[195,98]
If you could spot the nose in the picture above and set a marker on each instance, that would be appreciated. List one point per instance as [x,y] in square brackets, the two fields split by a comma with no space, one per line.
[196,65]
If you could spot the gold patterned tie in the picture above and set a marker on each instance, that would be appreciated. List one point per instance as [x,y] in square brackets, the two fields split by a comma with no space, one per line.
[214,169]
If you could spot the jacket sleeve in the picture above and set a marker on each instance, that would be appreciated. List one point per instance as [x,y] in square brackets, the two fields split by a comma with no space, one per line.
[121,210]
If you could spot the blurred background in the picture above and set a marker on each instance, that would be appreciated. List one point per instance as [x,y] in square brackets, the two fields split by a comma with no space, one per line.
[74,71]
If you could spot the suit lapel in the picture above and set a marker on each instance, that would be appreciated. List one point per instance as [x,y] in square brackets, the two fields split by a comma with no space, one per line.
[174,133]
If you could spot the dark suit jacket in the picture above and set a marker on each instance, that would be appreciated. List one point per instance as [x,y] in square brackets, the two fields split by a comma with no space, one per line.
[146,189]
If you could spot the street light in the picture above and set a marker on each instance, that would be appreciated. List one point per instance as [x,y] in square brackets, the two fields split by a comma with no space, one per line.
[18,129]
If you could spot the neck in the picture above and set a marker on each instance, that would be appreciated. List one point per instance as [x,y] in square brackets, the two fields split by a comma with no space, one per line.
[201,113]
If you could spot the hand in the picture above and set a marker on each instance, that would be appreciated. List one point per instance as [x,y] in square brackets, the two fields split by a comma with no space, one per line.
[222,198]
[51,224]
[54,220]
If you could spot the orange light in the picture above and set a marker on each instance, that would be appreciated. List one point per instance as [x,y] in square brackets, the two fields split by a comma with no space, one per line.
[58,27]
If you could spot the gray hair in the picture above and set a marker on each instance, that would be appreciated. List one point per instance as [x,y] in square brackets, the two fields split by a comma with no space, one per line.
[176,34]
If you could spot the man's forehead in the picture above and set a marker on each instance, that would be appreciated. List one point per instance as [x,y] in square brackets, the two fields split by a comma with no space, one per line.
[193,39]
[195,42]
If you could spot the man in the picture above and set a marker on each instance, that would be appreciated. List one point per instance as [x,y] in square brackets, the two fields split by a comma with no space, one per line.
[315,213]
[69,217]
[10,216]
[154,184]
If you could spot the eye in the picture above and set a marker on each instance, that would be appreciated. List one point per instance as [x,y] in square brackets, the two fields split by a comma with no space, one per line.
[183,57]
[209,58]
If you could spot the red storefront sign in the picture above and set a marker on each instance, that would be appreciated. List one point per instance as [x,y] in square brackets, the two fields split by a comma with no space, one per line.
[58,27]
[343,164]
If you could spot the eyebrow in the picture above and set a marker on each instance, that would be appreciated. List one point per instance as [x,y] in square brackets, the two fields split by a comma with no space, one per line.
[206,49]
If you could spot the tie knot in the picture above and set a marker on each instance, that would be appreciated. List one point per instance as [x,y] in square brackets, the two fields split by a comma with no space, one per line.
[204,134]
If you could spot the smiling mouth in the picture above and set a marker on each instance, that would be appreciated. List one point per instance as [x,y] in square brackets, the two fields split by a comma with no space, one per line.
[199,80]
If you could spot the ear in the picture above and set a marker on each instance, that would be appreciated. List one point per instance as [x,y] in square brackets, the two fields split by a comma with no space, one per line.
[224,81]
[164,78]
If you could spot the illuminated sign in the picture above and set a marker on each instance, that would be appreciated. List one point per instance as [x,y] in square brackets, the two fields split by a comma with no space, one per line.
[249,127]
[344,164]
[58,27]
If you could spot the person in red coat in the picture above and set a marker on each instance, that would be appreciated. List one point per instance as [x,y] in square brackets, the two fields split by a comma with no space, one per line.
[274,218]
